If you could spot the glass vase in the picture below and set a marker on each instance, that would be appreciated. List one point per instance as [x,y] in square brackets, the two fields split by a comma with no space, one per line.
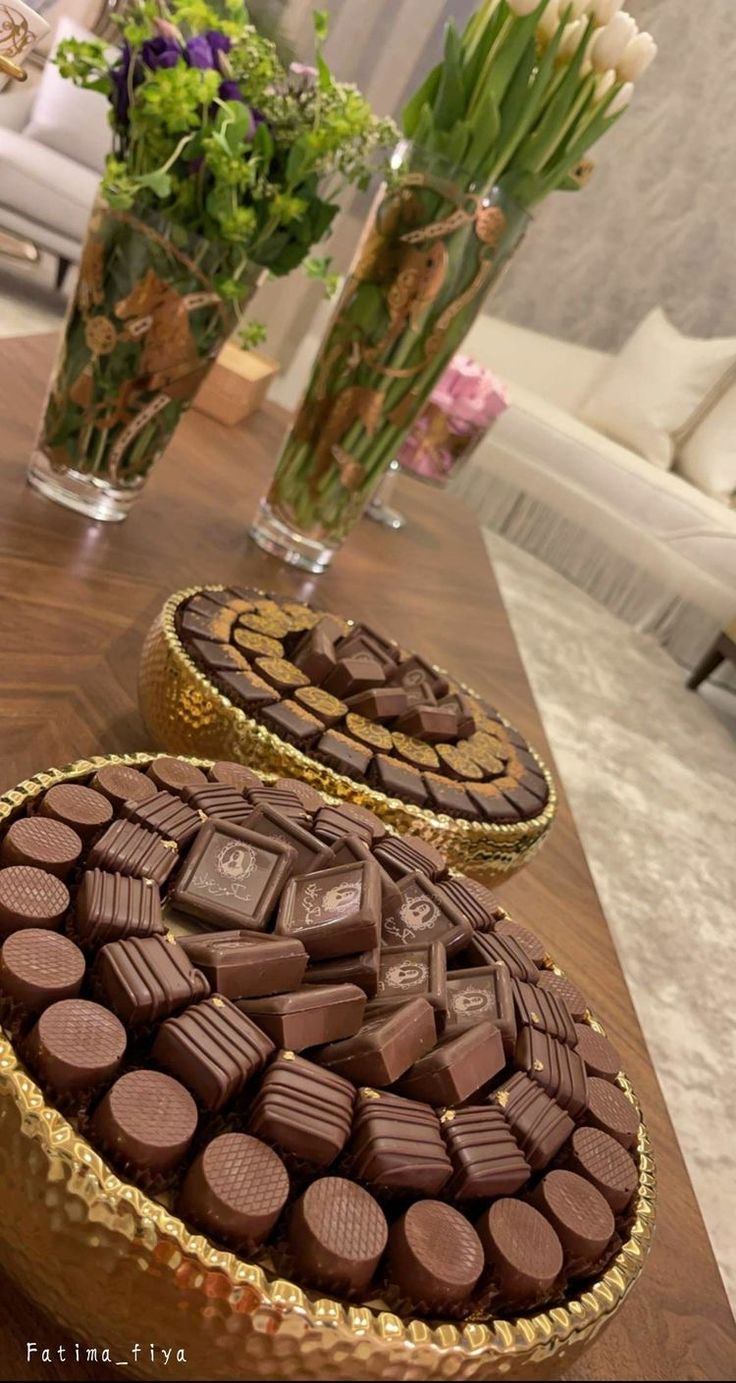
[143,330]
[433,246]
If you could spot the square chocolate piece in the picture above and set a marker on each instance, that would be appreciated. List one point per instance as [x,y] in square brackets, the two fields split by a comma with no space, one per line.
[336,912]
[144,981]
[450,798]
[213,1049]
[480,995]
[425,915]
[343,754]
[353,675]
[311,853]
[232,877]
[308,1017]
[457,1067]
[111,907]
[397,1145]
[486,1159]
[361,970]
[380,703]
[405,972]
[247,690]
[292,722]
[247,965]
[399,780]
[303,1110]
[350,848]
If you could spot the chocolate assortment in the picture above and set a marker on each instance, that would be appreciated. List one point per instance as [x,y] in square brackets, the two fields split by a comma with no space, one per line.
[350,698]
[316,1042]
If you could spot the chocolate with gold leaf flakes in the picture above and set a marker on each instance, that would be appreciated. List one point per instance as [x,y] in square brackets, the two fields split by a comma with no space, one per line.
[486,1159]
[396,1144]
[213,1049]
[167,815]
[303,1110]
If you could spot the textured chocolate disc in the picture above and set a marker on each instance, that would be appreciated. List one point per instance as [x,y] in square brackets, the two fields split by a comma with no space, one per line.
[76,1045]
[609,1110]
[581,1218]
[280,673]
[257,645]
[415,751]
[30,898]
[434,1256]
[37,968]
[234,775]
[564,988]
[235,1190]
[368,732]
[323,704]
[337,1233]
[522,1251]
[146,1122]
[121,783]
[597,1156]
[85,810]
[600,1055]
[170,775]
[457,762]
[42,843]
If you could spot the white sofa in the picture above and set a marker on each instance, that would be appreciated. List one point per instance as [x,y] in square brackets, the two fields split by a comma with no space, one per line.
[646,543]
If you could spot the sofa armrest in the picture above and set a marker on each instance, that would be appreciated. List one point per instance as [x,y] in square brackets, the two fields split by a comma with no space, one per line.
[16,104]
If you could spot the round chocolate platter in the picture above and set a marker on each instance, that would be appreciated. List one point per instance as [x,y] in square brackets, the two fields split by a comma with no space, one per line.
[241,674]
[104,1234]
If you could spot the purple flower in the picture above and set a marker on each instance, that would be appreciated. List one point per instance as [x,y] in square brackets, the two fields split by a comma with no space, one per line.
[199,53]
[122,83]
[230,91]
[160,52]
[219,43]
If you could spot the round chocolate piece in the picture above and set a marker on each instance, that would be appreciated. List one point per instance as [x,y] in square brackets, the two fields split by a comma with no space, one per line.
[235,1191]
[234,775]
[457,762]
[171,775]
[120,783]
[42,843]
[600,1055]
[146,1122]
[76,1046]
[601,1160]
[257,645]
[434,1256]
[31,898]
[610,1111]
[337,1233]
[85,810]
[38,968]
[522,1251]
[368,732]
[310,799]
[280,673]
[581,1218]
[322,704]
[415,752]
[563,988]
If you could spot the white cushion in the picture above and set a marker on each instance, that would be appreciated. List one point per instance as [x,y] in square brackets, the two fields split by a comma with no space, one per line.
[44,186]
[561,371]
[67,119]
[708,457]
[657,386]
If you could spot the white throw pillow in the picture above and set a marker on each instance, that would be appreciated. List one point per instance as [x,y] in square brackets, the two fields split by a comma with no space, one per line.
[67,119]
[657,387]
[708,457]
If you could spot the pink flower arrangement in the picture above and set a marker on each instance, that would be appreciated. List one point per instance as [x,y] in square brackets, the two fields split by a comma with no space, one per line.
[461,407]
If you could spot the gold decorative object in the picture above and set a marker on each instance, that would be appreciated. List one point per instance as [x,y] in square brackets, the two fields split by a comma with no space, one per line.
[118,1270]
[186,714]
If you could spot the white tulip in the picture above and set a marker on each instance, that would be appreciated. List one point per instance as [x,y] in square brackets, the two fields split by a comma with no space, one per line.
[604,10]
[549,22]
[636,58]
[570,41]
[621,99]
[610,43]
[522,8]
[578,7]
[604,84]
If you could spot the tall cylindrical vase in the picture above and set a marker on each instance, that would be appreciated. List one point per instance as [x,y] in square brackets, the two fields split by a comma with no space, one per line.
[432,248]
[146,323]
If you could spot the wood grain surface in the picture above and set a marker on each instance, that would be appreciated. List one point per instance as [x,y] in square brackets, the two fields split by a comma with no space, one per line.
[77,599]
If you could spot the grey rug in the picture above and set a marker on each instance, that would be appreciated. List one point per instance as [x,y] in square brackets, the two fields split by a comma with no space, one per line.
[657,818]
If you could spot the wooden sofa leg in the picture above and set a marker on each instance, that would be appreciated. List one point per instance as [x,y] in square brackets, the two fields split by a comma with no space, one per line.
[62,268]
[708,664]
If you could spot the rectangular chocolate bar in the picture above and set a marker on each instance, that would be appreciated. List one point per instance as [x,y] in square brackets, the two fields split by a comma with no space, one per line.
[399,780]
[385,1046]
[247,690]
[480,994]
[361,969]
[213,1049]
[457,1067]
[292,722]
[435,724]
[425,915]
[380,703]
[308,1017]
[450,798]
[353,675]
[343,754]
[315,655]
[336,912]
[242,964]
[405,972]
[310,853]
[232,877]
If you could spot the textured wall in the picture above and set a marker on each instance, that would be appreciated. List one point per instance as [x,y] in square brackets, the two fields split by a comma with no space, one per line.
[656,223]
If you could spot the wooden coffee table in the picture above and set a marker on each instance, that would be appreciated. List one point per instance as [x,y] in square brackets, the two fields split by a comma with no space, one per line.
[77,599]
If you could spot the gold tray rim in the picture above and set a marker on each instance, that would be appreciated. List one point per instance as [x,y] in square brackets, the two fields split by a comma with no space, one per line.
[502,1338]
[473,833]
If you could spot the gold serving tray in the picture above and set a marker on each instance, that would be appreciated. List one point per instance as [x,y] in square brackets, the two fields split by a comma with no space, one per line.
[185,713]
[116,1268]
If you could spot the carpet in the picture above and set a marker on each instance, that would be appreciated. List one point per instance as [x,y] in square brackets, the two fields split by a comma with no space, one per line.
[657,818]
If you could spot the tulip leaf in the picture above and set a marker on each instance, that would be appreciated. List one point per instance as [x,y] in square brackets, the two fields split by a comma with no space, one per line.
[449,102]
[425,94]
[486,126]
[479,37]
[425,126]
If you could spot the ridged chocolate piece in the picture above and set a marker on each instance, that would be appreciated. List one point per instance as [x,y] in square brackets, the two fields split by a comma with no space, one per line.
[424,915]
[538,1009]
[217,799]
[474,900]
[129,849]
[523,1253]
[41,843]
[242,964]
[167,815]
[479,995]
[486,1159]
[396,1145]
[486,948]
[235,1191]
[579,1215]
[303,1110]
[457,1067]
[282,799]
[173,775]
[85,810]
[112,907]
[232,877]
[146,981]
[538,1123]
[598,1054]
[335,912]
[31,897]
[602,1161]
[408,972]
[385,1047]
[75,1047]
[336,1236]
[556,1067]
[38,968]
[434,1257]
[310,799]
[213,1049]
[564,988]
[311,853]
[121,783]
[535,949]
[146,1123]
[610,1111]
[402,855]
[332,823]
[310,1016]
[361,970]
